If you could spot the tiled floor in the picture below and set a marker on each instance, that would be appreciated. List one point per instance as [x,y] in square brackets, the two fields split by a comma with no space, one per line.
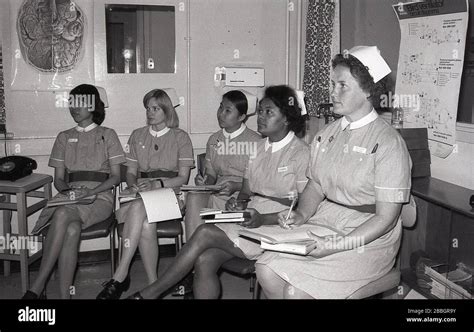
[89,279]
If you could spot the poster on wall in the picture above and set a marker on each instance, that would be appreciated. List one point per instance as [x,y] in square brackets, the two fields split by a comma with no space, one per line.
[51,41]
[433,35]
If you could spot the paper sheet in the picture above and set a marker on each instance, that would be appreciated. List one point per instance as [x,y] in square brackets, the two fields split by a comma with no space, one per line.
[433,36]
[161,205]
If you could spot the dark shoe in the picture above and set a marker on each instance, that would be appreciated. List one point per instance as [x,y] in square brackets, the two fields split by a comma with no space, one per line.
[185,286]
[135,296]
[29,295]
[114,289]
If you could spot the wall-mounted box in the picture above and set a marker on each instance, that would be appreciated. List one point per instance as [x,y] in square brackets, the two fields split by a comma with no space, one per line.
[235,76]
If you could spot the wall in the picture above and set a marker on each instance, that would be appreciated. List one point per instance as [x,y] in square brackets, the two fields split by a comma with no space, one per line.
[373,22]
[206,37]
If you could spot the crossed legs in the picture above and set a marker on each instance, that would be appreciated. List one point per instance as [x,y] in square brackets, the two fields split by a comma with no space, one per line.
[137,232]
[207,249]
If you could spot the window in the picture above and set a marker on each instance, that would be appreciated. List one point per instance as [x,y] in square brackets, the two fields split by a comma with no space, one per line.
[140,39]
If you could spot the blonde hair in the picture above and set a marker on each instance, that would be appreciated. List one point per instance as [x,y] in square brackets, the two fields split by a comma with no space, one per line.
[164,101]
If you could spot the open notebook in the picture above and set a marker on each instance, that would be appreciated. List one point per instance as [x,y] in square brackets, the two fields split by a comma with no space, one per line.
[160,204]
[294,241]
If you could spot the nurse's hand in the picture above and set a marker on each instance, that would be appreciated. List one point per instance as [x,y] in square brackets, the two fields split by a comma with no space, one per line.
[200,180]
[80,193]
[254,221]
[145,185]
[294,220]
[229,187]
[235,205]
[325,246]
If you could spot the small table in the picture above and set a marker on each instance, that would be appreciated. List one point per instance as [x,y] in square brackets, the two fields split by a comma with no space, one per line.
[22,188]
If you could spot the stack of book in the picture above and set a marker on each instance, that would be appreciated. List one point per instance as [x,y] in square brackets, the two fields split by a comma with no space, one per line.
[212,216]
[206,188]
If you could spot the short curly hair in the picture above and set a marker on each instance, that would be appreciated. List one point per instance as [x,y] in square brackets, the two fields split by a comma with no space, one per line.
[361,73]
[284,97]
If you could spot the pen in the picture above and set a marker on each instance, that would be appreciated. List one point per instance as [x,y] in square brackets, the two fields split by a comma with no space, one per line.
[375,148]
[291,209]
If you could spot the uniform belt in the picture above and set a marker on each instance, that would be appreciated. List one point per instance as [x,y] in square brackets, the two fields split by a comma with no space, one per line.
[369,208]
[159,174]
[283,201]
[87,176]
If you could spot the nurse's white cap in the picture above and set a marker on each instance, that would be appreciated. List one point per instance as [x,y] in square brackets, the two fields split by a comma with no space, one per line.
[371,58]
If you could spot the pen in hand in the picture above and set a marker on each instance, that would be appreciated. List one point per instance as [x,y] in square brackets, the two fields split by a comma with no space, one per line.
[289,213]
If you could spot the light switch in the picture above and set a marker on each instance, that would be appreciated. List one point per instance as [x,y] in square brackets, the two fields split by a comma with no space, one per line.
[150,63]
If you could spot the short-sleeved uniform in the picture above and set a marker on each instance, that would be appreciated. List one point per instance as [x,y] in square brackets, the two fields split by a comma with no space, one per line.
[228,155]
[352,164]
[164,150]
[277,170]
[94,148]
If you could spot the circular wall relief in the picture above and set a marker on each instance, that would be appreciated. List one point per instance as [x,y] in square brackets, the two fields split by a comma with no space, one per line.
[51,34]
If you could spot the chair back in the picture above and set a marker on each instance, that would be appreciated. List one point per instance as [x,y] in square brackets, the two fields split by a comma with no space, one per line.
[201,163]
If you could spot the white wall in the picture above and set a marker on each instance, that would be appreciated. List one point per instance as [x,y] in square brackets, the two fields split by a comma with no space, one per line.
[257,28]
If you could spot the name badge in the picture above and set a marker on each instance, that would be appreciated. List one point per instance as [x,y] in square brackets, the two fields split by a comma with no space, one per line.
[359,149]
[282,169]
[72,140]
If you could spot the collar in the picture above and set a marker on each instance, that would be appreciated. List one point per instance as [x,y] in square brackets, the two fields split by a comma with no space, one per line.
[158,133]
[372,116]
[235,133]
[276,146]
[88,128]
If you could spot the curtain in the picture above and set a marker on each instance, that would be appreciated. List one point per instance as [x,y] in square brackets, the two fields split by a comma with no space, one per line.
[317,66]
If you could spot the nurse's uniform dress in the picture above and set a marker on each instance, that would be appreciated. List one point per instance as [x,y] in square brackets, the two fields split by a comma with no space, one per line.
[278,170]
[94,148]
[228,154]
[354,164]
[157,154]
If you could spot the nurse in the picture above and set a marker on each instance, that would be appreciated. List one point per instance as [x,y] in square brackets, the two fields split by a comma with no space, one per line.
[359,177]
[159,155]
[276,172]
[90,148]
[227,155]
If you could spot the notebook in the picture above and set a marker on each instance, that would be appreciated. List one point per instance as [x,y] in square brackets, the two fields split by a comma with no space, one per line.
[206,188]
[212,216]
[160,204]
[293,241]
[64,199]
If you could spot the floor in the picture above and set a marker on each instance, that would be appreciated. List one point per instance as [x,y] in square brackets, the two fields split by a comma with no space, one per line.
[89,279]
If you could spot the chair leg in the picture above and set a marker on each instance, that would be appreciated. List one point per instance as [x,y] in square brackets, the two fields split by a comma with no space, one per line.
[252,283]
[119,248]
[112,252]
[257,290]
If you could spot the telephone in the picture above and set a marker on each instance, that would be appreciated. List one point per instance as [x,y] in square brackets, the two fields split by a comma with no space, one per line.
[16,167]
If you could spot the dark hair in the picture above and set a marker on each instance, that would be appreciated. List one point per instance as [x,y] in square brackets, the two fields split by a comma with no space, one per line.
[86,90]
[284,97]
[361,73]
[238,99]
[162,98]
